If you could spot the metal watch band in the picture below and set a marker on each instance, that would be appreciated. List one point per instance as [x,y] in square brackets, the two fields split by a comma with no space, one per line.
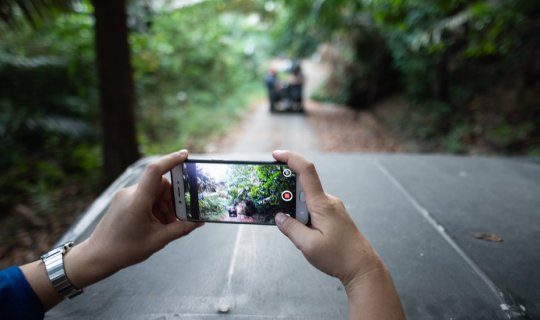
[54,263]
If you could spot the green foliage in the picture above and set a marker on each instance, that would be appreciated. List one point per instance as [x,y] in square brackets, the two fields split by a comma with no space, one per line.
[48,118]
[261,184]
[459,138]
[322,94]
[192,85]
[239,180]
[193,77]
[272,182]
[302,25]
[445,54]
[212,203]
[505,135]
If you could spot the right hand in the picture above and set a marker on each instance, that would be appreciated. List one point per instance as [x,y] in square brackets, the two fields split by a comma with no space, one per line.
[331,242]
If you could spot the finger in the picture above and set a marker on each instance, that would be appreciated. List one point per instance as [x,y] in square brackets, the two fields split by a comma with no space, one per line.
[296,231]
[158,214]
[165,193]
[166,190]
[152,178]
[164,208]
[309,179]
[171,208]
[177,229]
[168,211]
[166,202]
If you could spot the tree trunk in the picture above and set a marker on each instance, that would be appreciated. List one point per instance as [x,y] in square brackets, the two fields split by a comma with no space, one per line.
[116,90]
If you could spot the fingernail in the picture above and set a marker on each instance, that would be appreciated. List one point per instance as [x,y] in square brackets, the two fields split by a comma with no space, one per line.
[278,151]
[182,153]
[280,218]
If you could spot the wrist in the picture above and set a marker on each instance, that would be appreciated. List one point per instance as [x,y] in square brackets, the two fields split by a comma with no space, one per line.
[372,295]
[365,279]
[53,261]
[83,266]
[361,262]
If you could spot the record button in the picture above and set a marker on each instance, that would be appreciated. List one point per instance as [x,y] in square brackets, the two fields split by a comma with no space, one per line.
[286,195]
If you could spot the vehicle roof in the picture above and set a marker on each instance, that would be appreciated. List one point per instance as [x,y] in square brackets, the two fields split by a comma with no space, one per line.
[422,213]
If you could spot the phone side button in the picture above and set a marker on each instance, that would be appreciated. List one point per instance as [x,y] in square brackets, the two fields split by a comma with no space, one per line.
[302,216]
[302,197]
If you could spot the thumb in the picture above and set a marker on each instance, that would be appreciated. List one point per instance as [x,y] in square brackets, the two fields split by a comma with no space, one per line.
[296,231]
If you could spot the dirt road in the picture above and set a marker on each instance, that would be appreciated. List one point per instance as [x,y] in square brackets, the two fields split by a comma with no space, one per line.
[324,127]
[263,132]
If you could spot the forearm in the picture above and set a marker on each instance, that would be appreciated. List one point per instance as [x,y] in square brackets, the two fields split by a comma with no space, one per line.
[373,296]
[81,269]
[128,233]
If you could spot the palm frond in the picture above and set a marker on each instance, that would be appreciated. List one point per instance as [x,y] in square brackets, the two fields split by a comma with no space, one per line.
[32,10]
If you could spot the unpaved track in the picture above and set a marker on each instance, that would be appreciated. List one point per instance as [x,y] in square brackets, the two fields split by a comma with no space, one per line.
[324,127]
[262,131]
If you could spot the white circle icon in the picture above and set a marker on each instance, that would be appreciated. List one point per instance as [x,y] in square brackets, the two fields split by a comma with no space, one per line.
[287,172]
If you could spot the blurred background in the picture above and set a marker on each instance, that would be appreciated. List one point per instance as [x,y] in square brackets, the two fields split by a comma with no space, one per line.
[89,87]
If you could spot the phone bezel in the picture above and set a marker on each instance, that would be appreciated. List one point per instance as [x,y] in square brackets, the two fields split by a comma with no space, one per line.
[178,192]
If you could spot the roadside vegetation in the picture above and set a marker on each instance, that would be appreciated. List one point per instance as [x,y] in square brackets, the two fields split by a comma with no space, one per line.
[193,81]
[84,94]
[467,72]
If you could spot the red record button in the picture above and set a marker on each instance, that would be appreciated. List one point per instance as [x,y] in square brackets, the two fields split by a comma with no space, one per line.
[286,195]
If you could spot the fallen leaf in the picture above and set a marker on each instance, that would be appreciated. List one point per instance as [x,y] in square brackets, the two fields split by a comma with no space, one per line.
[487,236]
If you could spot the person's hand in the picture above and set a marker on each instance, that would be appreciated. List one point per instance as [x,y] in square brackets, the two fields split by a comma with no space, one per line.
[140,221]
[331,242]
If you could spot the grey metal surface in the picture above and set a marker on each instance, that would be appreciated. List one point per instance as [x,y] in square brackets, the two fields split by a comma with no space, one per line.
[419,213]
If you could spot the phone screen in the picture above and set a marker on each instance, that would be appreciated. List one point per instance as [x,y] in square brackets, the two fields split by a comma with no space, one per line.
[238,192]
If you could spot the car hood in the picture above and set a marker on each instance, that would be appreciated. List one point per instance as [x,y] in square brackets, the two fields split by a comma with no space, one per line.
[460,236]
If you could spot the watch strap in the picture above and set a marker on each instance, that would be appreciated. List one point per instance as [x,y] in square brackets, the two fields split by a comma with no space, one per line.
[54,264]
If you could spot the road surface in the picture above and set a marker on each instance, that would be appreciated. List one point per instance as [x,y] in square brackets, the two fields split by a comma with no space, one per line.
[263,132]
[419,212]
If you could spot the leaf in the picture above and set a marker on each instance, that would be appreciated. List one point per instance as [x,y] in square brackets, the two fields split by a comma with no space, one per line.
[491,237]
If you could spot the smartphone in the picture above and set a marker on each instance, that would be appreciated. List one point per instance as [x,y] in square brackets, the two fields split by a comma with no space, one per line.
[236,192]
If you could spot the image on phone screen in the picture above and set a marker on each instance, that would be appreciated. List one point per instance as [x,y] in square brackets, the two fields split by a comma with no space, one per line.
[237,192]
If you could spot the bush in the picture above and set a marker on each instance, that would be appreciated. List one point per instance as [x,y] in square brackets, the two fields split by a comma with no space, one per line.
[446,55]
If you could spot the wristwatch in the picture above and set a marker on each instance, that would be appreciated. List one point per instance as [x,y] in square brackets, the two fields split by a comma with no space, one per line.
[54,263]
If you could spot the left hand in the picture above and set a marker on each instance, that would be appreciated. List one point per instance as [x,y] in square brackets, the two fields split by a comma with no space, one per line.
[140,221]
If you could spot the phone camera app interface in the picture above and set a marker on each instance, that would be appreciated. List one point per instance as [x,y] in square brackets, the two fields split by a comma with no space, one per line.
[238,192]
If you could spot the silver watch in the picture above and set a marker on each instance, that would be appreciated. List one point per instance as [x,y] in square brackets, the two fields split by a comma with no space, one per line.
[54,263]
